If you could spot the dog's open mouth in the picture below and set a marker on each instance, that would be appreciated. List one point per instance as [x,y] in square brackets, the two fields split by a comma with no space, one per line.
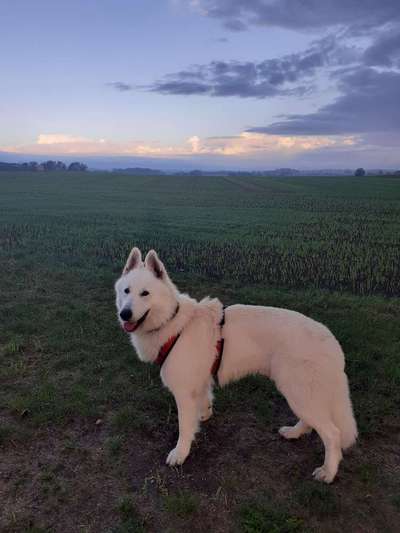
[130,327]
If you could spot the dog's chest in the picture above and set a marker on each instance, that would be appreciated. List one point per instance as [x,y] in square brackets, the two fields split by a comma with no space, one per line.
[146,350]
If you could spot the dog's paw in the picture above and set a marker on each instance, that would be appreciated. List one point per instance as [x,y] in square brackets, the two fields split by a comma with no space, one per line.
[289,432]
[176,456]
[322,474]
[206,415]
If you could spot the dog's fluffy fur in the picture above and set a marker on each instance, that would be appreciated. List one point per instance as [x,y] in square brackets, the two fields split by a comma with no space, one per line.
[300,355]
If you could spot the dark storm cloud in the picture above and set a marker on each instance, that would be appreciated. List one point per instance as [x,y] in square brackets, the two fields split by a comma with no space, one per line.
[180,86]
[369,103]
[385,51]
[368,80]
[366,76]
[256,79]
[302,14]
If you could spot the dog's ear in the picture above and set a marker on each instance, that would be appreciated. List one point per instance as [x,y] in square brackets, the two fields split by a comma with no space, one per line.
[153,263]
[134,260]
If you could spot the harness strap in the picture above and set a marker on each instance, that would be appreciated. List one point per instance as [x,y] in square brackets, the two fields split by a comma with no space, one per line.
[220,350]
[166,349]
[168,346]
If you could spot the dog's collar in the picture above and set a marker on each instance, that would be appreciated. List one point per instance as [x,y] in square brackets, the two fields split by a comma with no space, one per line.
[169,320]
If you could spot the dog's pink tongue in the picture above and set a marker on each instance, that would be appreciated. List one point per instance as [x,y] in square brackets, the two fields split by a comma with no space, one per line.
[129,327]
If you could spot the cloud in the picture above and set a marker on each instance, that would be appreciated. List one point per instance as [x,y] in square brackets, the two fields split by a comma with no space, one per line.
[235,25]
[369,103]
[365,152]
[180,86]
[242,145]
[120,86]
[237,15]
[59,144]
[385,51]
[59,138]
[366,74]
[253,143]
[262,79]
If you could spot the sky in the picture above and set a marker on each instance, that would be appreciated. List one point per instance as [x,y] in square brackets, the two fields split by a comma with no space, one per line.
[238,84]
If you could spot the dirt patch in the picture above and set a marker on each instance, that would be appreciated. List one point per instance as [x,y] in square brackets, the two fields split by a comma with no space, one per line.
[67,480]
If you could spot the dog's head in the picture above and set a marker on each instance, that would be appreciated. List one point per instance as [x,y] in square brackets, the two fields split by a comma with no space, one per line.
[145,295]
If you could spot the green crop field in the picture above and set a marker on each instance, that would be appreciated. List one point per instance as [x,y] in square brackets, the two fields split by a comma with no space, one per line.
[85,428]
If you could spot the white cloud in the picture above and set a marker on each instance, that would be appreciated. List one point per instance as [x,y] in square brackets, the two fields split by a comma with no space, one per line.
[248,143]
[59,138]
[243,145]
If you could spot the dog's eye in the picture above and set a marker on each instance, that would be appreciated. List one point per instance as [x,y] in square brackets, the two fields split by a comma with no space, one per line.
[144,293]
[127,291]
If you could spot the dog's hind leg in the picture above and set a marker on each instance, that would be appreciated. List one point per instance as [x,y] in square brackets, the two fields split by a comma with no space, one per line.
[188,416]
[294,432]
[314,414]
[206,407]
[330,436]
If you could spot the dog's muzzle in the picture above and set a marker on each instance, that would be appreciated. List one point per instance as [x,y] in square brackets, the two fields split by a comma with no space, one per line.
[126,314]
[128,325]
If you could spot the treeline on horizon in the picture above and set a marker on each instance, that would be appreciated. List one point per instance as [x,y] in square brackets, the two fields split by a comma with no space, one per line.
[277,172]
[45,166]
[76,166]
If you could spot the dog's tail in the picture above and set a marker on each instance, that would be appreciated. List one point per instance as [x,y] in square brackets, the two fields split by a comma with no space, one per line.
[343,415]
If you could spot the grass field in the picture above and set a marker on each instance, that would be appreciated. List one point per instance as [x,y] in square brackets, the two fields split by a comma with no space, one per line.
[85,428]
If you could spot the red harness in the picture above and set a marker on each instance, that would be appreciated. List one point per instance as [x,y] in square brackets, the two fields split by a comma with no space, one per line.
[165,350]
[218,360]
[168,346]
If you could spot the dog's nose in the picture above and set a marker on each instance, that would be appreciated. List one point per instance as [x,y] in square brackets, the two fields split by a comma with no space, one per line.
[126,314]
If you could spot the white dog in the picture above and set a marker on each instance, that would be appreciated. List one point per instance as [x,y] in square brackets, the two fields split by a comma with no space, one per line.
[183,336]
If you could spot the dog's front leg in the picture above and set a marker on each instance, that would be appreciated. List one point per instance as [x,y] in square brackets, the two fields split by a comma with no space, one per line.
[206,409]
[188,416]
